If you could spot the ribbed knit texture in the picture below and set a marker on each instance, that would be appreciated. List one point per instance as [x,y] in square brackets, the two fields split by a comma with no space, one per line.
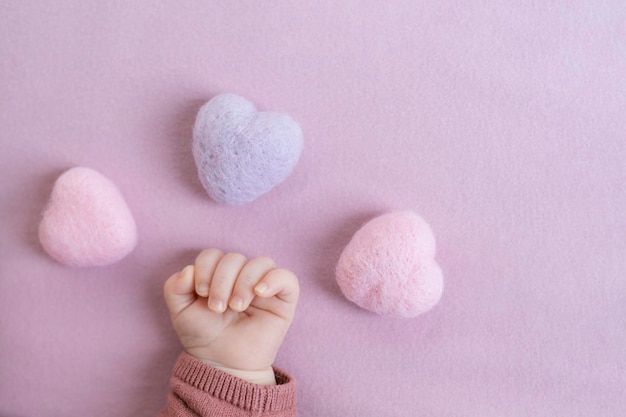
[201,390]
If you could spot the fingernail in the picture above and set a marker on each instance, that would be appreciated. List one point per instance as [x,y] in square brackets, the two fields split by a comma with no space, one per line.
[236,303]
[203,290]
[261,288]
[217,305]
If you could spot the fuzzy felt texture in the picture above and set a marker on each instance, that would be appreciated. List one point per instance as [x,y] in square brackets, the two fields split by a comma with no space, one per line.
[242,153]
[502,123]
[389,267]
[87,222]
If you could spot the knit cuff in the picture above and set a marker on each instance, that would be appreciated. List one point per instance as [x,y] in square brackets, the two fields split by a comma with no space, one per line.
[236,391]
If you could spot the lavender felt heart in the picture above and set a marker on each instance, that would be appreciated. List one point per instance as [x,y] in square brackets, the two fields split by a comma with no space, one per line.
[242,153]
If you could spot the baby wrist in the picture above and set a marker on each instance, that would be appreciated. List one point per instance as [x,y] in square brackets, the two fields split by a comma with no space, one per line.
[259,377]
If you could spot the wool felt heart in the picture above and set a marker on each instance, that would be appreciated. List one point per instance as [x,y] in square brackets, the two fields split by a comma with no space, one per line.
[87,222]
[389,267]
[242,153]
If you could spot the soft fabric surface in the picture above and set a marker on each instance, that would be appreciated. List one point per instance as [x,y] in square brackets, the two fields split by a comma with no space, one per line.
[87,222]
[242,153]
[389,266]
[199,389]
[501,123]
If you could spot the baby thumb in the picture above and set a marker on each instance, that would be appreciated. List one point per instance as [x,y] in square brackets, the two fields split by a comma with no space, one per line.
[179,290]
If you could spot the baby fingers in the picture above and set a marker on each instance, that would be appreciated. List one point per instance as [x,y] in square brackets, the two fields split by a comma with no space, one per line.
[278,293]
[248,278]
[223,280]
[233,281]
[280,283]
[205,266]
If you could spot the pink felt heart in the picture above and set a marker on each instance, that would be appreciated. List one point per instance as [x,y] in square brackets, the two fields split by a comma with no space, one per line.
[389,267]
[242,153]
[87,222]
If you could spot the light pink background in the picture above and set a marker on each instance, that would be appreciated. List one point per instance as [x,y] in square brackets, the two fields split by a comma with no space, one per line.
[502,123]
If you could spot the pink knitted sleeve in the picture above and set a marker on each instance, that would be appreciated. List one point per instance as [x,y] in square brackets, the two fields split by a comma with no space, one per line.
[199,390]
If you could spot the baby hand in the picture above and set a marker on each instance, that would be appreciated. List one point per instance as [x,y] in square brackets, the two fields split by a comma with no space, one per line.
[233,313]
